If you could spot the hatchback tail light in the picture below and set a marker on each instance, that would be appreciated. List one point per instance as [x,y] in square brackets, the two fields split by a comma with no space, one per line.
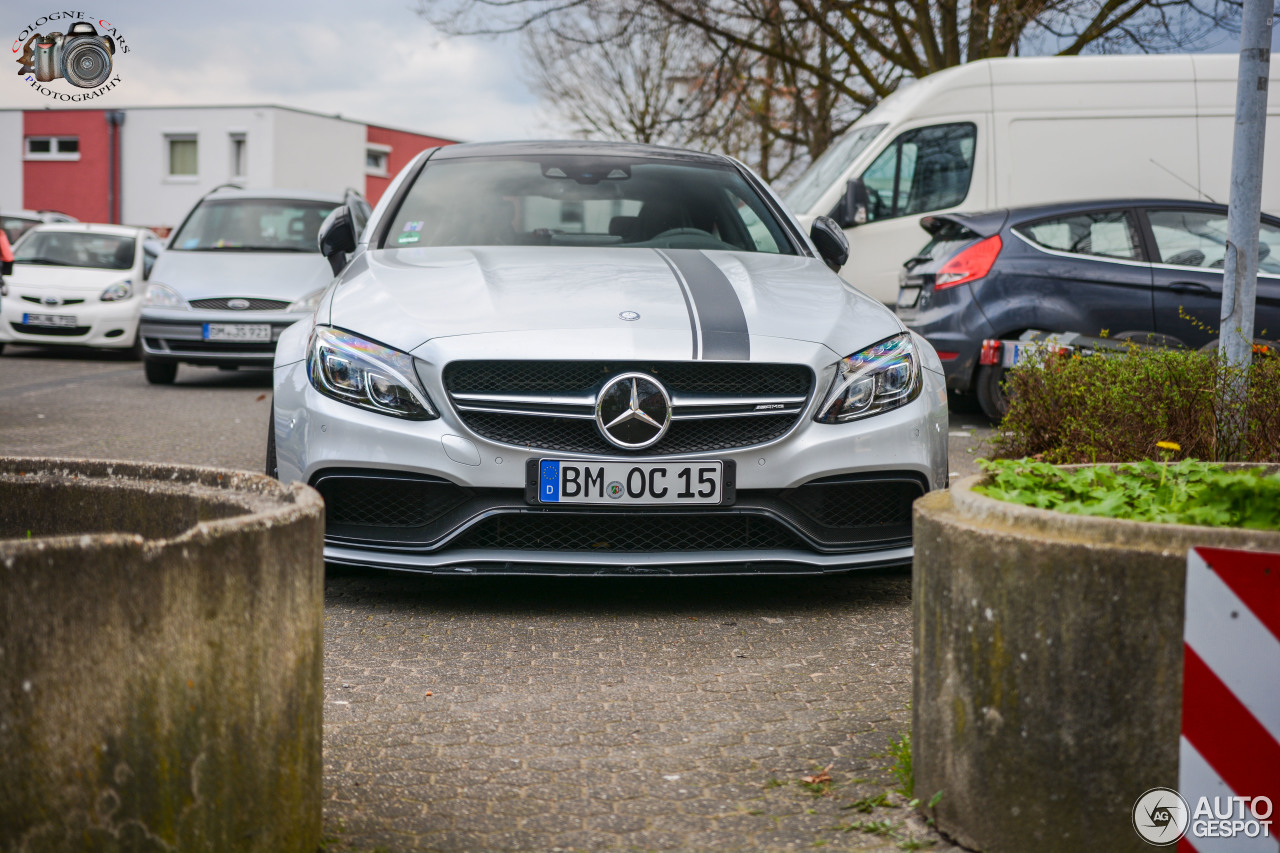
[973,263]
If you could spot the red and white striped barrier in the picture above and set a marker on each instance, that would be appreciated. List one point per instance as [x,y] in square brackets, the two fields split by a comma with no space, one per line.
[1229,753]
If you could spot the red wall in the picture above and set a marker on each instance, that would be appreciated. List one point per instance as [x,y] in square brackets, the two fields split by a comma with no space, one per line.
[76,187]
[404,146]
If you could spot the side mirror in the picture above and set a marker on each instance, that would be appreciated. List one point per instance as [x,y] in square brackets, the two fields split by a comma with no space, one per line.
[853,206]
[337,237]
[832,245]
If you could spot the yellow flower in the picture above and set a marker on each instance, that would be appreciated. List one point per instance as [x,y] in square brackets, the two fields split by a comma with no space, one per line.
[1168,445]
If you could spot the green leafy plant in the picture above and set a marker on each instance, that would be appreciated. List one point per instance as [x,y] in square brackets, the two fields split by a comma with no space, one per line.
[1116,408]
[900,752]
[1186,492]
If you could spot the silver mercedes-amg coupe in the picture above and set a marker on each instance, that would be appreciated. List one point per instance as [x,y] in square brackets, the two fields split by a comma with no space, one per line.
[602,359]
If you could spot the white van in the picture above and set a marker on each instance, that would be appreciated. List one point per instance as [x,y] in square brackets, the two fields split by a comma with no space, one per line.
[1009,132]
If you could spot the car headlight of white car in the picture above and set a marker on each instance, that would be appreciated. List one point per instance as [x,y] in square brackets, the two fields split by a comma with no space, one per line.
[160,296]
[367,375]
[308,303]
[881,377]
[118,291]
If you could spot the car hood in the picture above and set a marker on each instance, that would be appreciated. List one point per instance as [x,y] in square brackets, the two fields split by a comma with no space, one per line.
[264,275]
[698,304]
[45,277]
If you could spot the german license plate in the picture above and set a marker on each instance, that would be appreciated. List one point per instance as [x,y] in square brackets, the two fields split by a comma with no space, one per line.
[908,297]
[630,483]
[60,320]
[237,332]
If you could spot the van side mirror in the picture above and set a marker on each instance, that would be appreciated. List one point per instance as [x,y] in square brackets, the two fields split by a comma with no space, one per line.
[853,205]
[832,245]
[337,237]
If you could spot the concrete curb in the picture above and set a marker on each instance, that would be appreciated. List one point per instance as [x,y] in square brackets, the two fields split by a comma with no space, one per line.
[161,687]
[1047,668]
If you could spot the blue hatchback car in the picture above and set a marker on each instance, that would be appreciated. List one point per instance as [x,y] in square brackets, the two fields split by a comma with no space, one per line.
[1121,267]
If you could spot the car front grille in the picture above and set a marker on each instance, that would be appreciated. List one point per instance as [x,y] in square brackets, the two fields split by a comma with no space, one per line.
[63,303]
[220,304]
[52,331]
[840,503]
[631,533]
[550,405]
[165,346]
[387,502]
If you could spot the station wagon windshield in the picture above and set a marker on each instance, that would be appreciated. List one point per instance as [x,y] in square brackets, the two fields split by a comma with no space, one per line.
[253,225]
[580,200]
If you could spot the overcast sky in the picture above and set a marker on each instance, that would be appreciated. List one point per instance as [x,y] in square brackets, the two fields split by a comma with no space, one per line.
[371,60]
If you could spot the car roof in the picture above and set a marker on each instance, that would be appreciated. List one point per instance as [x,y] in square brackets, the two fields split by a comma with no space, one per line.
[230,193]
[38,215]
[575,147]
[94,228]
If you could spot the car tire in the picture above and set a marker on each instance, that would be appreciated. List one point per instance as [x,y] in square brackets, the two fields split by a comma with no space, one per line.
[160,372]
[991,395]
[1,349]
[272,468]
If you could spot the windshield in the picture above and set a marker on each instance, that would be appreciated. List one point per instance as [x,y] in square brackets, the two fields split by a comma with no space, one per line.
[253,224]
[75,249]
[828,168]
[15,226]
[579,200]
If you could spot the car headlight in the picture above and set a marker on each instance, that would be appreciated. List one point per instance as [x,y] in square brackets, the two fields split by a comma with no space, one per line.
[362,373]
[116,292]
[161,296]
[308,303]
[879,378]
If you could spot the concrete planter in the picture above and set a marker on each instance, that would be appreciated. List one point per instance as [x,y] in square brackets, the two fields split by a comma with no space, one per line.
[1047,668]
[161,684]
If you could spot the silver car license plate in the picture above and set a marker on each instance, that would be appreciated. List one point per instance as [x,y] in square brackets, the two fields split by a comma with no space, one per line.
[562,481]
[237,332]
[59,320]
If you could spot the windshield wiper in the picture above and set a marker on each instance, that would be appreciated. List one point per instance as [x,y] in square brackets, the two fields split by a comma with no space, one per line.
[45,261]
[249,249]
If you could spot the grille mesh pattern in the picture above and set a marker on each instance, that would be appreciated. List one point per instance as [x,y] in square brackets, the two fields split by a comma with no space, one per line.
[247,347]
[254,304]
[629,533]
[577,377]
[856,504]
[386,503]
[526,377]
[582,436]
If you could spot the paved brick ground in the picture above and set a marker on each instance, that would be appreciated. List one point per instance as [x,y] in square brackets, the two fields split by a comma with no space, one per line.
[534,714]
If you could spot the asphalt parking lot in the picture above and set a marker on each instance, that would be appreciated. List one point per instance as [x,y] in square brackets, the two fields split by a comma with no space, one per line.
[529,714]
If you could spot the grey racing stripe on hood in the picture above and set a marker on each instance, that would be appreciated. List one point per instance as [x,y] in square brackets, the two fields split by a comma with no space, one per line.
[716,310]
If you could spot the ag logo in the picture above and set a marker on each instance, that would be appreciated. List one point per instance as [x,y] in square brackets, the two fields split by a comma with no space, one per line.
[1160,816]
[74,47]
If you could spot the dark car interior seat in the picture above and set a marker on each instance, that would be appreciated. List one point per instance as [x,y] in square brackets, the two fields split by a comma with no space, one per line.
[626,227]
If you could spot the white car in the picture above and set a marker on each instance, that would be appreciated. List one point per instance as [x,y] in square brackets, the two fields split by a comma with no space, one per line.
[77,284]
[590,358]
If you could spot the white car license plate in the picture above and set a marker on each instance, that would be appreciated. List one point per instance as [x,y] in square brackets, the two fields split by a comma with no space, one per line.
[630,483]
[237,332]
[59,320]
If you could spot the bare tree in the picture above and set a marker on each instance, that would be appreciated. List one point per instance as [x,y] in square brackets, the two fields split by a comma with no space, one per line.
[776,81]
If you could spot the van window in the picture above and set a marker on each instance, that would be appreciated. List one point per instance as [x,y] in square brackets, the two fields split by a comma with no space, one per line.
[817,179]
[1106,234]
[925,169]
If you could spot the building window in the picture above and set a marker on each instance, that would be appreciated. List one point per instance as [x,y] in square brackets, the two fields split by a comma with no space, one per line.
[53,148]
[239,165]
[375,160]
[182,156]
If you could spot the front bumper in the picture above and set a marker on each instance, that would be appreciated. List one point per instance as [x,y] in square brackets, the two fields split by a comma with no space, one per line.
[178,336]
[97,324]
[319,439]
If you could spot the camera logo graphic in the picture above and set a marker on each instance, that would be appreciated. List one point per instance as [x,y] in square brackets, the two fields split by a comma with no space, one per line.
[81,56]
[1160,817]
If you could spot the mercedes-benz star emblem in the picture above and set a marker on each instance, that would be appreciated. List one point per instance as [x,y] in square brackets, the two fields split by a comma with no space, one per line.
[629,315]
[633,411]
[237,304]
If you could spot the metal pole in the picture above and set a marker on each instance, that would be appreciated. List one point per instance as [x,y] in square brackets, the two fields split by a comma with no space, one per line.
[1240,267]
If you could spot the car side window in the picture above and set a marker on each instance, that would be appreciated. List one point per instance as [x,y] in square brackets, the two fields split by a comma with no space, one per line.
[925,169]
[1198,238]
[1104,234]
